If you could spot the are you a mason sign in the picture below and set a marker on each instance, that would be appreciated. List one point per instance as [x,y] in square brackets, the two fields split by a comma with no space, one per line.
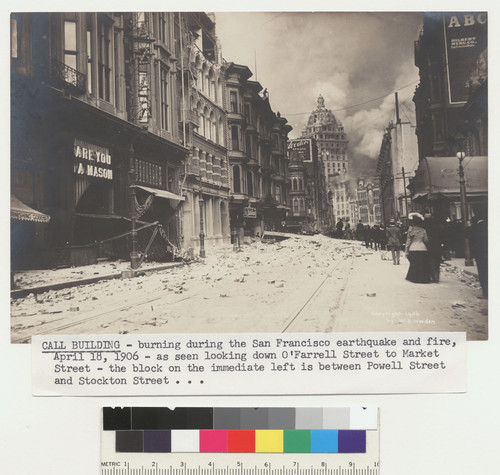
[92,160]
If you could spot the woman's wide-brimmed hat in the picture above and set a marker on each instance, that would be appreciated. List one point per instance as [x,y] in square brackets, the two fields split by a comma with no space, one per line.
[415,216]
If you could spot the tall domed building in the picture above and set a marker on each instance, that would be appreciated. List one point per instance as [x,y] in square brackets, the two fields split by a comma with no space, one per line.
[330,137]
[331,140]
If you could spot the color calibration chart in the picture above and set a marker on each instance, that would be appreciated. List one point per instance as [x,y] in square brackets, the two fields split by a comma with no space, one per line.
[240,441]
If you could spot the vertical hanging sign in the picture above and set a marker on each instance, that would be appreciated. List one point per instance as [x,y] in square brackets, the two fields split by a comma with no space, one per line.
[466,46]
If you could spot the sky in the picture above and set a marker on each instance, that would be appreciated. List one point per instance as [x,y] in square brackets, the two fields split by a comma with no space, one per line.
[349,58]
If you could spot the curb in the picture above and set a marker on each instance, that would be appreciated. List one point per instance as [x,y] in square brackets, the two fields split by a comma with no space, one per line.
[20,293]
[465,271]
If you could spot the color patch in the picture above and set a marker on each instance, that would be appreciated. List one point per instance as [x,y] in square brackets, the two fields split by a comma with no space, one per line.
[254,418]
[267,441]
[157,441]
[129,441]
[227,418]
[185,441]
[241,441]
[308,418]
[116,418]
[297,441]
[281,418]
[336,418]
[352,441]
[213,441]
[324,441]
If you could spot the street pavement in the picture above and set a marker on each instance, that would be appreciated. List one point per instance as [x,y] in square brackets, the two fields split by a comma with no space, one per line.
[303,284]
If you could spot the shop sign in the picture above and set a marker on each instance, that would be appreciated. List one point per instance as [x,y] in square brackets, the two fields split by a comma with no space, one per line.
[92,160]
[249,212]
[466,38]
[301,148]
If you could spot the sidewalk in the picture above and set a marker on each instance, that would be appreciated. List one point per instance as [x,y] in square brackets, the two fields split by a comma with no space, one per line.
[459,263]
[40,281]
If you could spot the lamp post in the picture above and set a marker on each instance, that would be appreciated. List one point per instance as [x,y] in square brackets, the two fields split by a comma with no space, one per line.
[463,207]
[202,234]
[134,255]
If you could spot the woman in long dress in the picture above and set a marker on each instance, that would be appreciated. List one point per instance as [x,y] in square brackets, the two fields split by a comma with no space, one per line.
[416,251]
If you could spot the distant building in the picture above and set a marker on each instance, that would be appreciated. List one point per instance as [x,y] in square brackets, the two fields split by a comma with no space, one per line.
[365,203]
[396,165]
[332,142]
[309,202]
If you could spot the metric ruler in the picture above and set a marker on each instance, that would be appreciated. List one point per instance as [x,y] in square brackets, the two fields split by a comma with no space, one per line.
[113,463]
[236,467]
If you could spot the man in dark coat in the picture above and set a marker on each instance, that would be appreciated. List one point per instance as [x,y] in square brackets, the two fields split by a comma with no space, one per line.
[478,240]
[340,228]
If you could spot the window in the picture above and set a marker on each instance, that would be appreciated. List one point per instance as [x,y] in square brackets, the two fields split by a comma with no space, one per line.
[164,98]
[294,184]
[233,101]
[277,193]
[149,173]
[162,28]
[295,205]
[236,179]
[14,38]
[301,184]
[104,63]
[247,112]
[116,56]
[90,61]
[70,44]
[250,183]
[248,140]
[235,139]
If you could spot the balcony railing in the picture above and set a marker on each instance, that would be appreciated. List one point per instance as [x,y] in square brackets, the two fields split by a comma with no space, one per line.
[69,76]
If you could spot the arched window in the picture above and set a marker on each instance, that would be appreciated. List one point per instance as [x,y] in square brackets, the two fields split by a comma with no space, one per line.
[302,207]
[301,184]
[295,205]
[236,179]
[294,184]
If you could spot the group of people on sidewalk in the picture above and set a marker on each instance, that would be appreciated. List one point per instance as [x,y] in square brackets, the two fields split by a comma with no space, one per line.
[424,247]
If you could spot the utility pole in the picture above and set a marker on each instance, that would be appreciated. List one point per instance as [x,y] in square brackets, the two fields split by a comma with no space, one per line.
[404,188]
[463,207]
[134,255]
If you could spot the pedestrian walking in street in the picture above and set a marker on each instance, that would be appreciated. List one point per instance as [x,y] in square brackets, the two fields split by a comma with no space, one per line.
[367,236]
[435,236]
[348,230]
[394,240]
[360,231]
[416,251]
[478,240]
[340,228]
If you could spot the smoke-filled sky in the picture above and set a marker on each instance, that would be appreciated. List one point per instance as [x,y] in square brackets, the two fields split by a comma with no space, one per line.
[349,58]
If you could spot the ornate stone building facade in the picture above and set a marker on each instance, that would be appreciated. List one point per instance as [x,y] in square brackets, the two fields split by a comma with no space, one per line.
[202,126]
[257,156]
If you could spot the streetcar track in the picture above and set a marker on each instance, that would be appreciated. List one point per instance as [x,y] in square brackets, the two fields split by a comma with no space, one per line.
[316,292]
[45,331]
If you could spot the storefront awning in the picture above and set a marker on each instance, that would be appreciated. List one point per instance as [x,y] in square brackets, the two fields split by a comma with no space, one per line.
[22,212]
[161,193]
[438,176]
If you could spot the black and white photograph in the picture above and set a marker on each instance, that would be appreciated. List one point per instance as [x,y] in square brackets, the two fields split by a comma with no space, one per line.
[244,172]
